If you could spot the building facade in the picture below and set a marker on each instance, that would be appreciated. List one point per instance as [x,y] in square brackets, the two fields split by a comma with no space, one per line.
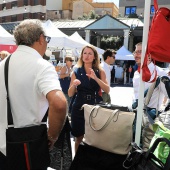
[18,10]
[128,7]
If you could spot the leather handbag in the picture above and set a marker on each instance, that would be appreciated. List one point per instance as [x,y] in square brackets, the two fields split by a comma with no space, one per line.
[27,147]
[158,33]
[138,159]
[110,130]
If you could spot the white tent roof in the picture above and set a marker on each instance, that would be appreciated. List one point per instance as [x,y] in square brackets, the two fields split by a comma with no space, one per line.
[75,36]
[6,38]
[124,54]
[58,38]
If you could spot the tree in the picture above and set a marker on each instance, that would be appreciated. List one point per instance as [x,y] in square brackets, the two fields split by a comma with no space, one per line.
[90,15]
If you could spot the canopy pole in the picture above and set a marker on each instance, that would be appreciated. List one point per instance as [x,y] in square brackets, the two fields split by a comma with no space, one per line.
[141,88]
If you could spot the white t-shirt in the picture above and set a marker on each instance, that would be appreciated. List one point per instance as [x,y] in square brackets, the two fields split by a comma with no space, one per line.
[159,91]
[107,69]
[30,79]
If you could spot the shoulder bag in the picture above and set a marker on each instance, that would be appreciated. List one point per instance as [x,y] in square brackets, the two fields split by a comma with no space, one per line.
[110,130]
[27,147]
[138,159]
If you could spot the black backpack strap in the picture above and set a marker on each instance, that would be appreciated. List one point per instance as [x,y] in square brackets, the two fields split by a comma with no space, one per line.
[9,114]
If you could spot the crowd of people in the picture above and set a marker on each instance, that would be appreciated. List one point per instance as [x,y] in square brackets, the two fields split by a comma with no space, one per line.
[35,87]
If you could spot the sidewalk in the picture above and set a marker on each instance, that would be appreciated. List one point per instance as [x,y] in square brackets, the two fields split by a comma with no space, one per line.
[121,85]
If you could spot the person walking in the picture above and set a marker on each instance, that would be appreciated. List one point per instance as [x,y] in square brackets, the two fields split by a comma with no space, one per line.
[109,59]
[33,87]
[86,81]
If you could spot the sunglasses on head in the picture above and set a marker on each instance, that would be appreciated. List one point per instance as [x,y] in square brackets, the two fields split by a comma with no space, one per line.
[47,38]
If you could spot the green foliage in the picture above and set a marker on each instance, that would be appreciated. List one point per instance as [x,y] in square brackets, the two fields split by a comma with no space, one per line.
[111,42]
[90,15]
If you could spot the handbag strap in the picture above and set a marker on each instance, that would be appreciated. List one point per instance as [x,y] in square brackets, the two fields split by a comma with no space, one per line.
[9,113]
[108,120]
[155,5]
[154,146]
[148,97]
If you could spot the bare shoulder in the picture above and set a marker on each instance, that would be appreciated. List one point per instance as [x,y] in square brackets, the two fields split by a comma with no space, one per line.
[102,71]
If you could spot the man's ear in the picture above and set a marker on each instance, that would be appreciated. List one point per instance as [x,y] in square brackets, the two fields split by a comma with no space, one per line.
[41,39]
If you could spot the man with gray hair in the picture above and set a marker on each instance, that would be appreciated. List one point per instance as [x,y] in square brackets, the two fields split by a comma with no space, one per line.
[33,87]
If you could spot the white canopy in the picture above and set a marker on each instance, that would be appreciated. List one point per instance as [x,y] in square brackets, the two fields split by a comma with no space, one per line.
[75,36]
[5,37]
[58,38]
[124,54]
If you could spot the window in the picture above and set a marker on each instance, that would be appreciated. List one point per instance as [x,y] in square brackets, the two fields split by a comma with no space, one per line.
[14,18]
[3,19]
[35,16]
[3,6]
[152,9]
[130,10]
[25,16]
[25,2]
[14,4]
[36,2]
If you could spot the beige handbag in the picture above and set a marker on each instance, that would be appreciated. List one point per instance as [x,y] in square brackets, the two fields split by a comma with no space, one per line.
[110,130]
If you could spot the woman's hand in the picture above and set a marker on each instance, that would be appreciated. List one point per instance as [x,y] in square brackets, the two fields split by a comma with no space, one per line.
[91,74]
[76,82]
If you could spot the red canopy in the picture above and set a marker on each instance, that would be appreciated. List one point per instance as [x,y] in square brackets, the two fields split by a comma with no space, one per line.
[9,48]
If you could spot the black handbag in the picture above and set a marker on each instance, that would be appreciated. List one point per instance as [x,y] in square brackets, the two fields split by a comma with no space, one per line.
[138,159]
[27,147]
[92,158]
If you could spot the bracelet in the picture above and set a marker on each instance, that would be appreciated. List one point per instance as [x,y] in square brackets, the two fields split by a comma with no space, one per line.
[52,139]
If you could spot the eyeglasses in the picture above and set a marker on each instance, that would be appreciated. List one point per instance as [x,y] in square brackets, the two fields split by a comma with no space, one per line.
[137,52]
[71,60]
[47,38]
[112,56]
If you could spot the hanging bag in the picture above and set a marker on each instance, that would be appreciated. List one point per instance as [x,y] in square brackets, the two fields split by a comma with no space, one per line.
[158,40]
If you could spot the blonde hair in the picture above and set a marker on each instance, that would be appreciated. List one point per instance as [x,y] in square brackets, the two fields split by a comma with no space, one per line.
[96,61]
[4,54]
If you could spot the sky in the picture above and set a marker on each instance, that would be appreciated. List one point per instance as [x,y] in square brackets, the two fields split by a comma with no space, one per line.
[115,1]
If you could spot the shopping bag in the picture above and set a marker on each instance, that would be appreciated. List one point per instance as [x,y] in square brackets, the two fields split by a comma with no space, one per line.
[162,151]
